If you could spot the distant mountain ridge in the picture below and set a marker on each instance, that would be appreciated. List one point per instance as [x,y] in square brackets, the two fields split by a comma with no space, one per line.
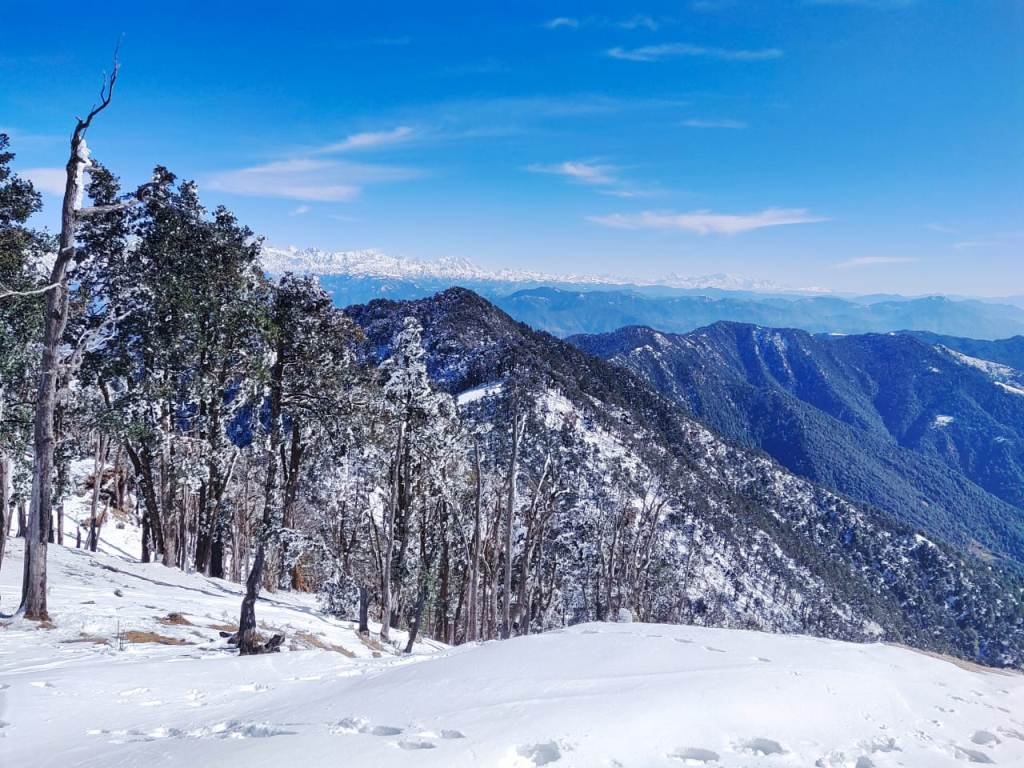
[372,263]
[566,313]
[918,429]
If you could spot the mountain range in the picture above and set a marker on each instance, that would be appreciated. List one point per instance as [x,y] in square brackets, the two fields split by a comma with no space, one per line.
[567,304]
[568,312]
[753,544]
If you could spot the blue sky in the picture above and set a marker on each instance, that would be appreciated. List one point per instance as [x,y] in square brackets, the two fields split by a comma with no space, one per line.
[861,145]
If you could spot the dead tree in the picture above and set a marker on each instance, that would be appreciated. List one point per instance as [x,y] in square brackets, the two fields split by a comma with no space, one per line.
[33,594]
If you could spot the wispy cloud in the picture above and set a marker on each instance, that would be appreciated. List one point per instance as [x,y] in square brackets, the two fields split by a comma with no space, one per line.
[715,123]
[677,50]
[640,21]
[706,222]
[48,180]
[604,178]
[637,21]
[368,140]
[560,22]
[942,229]
[312,175]
[302,210]
[873,261]
[580,171]
[308,179]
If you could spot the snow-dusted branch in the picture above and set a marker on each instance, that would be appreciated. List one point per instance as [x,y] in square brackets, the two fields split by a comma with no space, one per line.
[7,294]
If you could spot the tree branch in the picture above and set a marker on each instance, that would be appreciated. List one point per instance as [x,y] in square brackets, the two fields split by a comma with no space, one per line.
[32,292]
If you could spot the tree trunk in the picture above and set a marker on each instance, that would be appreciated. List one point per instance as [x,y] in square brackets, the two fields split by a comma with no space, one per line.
[6,511]
[364,611]
[414,627]
[248,638]
[22,520]
[389,544]
[97,482]
[506,598]
[33,593]
[472,622]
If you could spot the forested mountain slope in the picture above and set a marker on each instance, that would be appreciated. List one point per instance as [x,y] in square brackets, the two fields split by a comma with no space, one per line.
[931,436]
[742,541]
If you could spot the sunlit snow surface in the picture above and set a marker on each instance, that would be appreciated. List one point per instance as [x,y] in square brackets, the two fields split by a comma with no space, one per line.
[593,695]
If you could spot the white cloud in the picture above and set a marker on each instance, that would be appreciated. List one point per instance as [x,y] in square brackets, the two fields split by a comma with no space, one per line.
[639,21]
[583,172]
[942,229]
[306,179]
[674,50]
[707,222]
[48,180]
[561,21]
[369,140]
[873,261]
[716,123]
[302,210]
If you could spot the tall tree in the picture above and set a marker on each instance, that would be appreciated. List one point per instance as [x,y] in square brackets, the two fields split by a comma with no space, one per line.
[309,382]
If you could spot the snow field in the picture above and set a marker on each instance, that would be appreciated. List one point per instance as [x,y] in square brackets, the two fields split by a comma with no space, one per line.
[592,695]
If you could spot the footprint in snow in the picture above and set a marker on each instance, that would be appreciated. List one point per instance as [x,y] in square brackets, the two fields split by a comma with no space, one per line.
[985,738]
[694,755]
[544,753]
[713,649]
[452,734]
[237,729]
[760,659]
[1010,733]
[971,755]
[761,747]
[411,744]
[41,684]
[382,730]
[359,725]
[683,640]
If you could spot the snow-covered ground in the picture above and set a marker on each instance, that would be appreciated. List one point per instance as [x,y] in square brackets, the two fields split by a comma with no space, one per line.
[91,692]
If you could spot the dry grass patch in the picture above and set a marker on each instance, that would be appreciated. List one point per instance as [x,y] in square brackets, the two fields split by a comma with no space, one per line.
[315,641]
[85,637]
[175,620]
[142,636]
[373,644]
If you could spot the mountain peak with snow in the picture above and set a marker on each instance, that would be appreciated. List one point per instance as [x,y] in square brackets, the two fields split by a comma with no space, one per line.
[374,263]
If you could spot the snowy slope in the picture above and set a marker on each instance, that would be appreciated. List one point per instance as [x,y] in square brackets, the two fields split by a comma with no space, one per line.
[593,695]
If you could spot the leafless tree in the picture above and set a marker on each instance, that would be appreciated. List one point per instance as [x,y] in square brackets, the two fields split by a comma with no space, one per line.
[33,599]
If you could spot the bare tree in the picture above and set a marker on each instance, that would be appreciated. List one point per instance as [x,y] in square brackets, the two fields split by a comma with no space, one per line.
[33,596]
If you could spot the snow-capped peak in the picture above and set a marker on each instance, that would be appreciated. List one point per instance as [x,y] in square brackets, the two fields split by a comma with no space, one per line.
[377,264]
